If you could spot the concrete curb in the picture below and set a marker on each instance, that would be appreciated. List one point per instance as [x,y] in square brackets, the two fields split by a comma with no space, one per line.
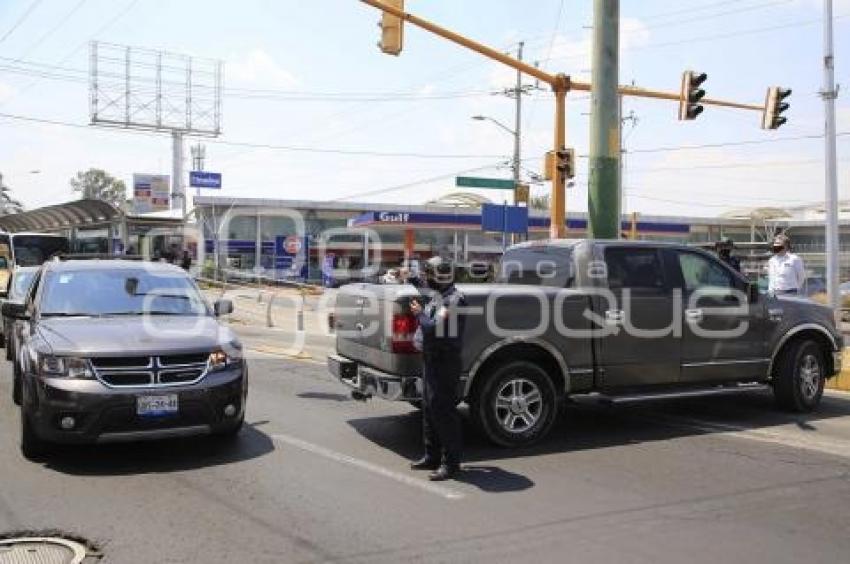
[280,352]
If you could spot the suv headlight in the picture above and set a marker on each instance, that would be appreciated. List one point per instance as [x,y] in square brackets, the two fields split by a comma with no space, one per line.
[64,367]
[220,360]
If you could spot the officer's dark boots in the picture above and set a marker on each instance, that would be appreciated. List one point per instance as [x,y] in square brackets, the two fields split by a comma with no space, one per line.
[427,462]
[446,471]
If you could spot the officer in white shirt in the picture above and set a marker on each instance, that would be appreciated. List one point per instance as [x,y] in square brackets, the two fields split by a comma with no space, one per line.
[785,270]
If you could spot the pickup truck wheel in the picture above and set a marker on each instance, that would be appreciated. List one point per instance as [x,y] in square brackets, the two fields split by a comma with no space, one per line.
[799,377]
[516,405]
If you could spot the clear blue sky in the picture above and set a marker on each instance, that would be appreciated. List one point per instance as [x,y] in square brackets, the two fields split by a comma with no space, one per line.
[328,47]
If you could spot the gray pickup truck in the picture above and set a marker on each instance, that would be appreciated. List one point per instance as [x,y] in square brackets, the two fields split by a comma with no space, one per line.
[608,321]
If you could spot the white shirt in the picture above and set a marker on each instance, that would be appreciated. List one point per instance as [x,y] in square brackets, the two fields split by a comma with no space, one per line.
[785,272]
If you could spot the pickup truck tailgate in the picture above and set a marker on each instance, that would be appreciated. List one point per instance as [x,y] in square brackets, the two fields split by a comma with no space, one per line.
[364,326]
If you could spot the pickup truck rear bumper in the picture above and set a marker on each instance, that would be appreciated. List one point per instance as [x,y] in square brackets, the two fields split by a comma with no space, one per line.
[370,382]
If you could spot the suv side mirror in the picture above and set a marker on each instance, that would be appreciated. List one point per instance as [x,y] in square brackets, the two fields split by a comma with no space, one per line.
[753,292]
[15,310]
[221,307]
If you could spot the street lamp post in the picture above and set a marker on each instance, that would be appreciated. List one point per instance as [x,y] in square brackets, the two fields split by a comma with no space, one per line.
[517,158]
[515,165]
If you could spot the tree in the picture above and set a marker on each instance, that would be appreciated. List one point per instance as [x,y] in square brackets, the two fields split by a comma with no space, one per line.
[8,205]
[97,184]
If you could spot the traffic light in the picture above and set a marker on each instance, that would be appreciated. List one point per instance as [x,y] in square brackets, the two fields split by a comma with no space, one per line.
[774,106]
[689,106]
[392,29]
[566,162]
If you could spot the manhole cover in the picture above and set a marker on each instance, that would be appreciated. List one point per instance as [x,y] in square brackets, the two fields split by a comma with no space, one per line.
[41,550]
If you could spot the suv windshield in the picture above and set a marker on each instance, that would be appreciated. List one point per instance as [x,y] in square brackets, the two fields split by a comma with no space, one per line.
[538,265]
[120,292]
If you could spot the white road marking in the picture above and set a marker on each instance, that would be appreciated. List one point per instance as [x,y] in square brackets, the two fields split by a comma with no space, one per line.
[429,487]
[772,435]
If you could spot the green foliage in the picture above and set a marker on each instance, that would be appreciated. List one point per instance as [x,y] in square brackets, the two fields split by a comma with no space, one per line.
[97,184]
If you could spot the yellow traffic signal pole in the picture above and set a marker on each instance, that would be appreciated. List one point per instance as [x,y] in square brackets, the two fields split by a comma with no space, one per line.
[558,199]
[561,84]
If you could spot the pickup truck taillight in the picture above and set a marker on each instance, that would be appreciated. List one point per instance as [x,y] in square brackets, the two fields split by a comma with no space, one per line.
[404,327]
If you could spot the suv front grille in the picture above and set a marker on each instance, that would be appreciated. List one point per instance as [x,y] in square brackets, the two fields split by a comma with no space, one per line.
[127,378]
[181,359]
[150,371]
[122,362]
[180,376]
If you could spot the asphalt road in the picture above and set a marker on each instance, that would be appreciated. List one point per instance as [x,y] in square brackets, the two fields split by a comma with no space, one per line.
[317,477]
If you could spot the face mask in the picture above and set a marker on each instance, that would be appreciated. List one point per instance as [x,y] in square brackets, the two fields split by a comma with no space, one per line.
[777,250]
[725,253]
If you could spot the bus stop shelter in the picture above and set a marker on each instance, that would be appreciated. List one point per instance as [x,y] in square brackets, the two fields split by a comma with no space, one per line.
[97,226]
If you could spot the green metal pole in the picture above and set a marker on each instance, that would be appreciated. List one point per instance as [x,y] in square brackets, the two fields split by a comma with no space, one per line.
[604,189]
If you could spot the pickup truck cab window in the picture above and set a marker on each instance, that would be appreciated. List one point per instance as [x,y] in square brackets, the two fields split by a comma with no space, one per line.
[634,269]
[700,272]
[538,266]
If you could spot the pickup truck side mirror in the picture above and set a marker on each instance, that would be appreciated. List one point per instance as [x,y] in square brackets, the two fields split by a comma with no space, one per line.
[221,307]
[15,310]
[753,292]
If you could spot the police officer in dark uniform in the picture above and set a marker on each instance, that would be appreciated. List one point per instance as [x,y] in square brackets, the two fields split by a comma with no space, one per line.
[724,252]
[442,330]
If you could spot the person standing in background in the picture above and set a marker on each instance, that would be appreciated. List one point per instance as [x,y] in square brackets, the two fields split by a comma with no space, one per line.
[785,270]
[724,252]
[186,261]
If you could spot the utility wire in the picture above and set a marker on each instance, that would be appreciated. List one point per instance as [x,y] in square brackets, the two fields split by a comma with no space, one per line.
[290,148]
[280,96]
[356,152]
[717,14]
[716,37]
[53,29]
[692,9]
[20,20]
[418,182]
[730,143]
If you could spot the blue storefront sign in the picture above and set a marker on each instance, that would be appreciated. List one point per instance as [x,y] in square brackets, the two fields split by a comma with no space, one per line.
[200,179]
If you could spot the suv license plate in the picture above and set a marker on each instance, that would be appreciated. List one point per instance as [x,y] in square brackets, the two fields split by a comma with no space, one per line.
[157,406]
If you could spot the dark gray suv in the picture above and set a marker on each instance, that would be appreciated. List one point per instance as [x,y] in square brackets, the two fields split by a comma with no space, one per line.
[119,350]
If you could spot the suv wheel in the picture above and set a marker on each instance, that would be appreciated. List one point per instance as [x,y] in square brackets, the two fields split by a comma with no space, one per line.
[516,405]
[32,446]
[799,376]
